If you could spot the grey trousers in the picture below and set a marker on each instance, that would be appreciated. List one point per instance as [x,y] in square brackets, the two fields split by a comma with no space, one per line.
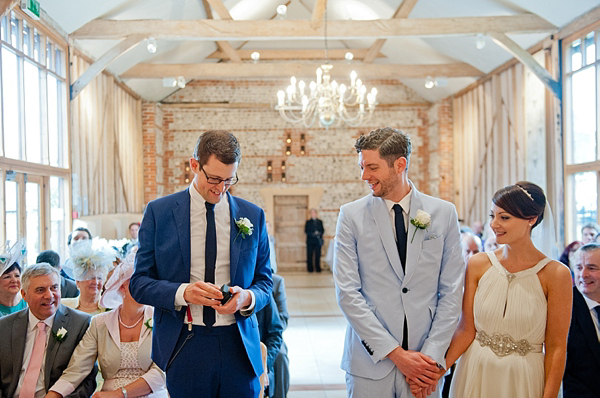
[393,385]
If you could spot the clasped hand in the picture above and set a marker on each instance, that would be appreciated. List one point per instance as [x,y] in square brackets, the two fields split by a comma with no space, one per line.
[421,372]
[209,294]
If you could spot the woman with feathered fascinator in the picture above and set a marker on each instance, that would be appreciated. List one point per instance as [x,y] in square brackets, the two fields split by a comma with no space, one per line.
[90,260]
[10,278]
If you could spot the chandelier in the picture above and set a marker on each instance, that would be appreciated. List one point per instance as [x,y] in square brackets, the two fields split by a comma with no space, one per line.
[325,100]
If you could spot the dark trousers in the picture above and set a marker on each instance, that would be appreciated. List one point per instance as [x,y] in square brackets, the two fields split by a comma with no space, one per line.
[211,362]
[313,256]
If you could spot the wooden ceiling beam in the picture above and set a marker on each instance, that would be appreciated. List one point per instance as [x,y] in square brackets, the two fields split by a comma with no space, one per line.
[402,12]
[301,30]
[316,21]
[220,9]
[336,54]
[6,6]
[300,70]
[223,12]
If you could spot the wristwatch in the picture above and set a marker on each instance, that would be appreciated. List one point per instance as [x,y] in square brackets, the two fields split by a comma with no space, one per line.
[124,391]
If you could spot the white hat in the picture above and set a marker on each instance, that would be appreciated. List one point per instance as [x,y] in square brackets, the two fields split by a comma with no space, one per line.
[111,298]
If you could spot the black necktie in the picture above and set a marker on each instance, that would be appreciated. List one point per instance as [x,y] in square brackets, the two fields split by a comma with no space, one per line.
[597,309]
[401,245]
[210,259]
[400,234]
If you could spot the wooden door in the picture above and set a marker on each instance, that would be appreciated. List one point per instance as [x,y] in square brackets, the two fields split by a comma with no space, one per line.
[290,240]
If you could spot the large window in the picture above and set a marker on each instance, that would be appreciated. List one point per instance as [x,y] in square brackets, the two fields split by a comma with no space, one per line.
[34,163]
[582,152]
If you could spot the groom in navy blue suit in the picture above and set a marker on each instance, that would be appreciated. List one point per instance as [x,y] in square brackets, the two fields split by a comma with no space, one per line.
[191,243]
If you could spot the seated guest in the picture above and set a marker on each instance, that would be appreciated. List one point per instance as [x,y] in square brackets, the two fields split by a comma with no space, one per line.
[583,347]
[68,288]
[134,227]
[90,267]
[10,280]
[45,333]
[569,252]
[271,334]
[78,235]
[280,381]
[470,244]
[121,341]
[589,232]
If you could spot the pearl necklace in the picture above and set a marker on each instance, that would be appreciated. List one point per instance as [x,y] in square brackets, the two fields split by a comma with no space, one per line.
[132,326]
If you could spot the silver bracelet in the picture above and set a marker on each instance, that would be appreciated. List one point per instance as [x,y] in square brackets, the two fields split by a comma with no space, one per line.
[124,391]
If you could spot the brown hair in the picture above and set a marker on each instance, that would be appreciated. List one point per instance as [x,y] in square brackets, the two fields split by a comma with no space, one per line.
[523,200]
[391,143]
[220,143]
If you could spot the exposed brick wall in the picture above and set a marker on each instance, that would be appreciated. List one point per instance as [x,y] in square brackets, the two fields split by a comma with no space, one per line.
[329,159]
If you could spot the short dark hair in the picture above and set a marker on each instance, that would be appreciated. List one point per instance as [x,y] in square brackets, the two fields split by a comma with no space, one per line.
[133,223]
[49,256]
[590,247]
[75,230]
[391,143]
[13,267]
[523,200]
[220,143]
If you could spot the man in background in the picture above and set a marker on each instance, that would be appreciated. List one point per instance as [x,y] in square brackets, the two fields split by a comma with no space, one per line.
[314,240]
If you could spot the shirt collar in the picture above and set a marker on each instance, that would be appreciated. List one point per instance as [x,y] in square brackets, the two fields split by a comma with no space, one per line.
[199,201]
[590,303]
[33,321]
[404,202]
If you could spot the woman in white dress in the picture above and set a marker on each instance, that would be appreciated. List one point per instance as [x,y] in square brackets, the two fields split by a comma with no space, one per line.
[516,310]
[121,341]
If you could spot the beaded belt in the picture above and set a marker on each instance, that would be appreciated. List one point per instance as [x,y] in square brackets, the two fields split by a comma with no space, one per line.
[503,344]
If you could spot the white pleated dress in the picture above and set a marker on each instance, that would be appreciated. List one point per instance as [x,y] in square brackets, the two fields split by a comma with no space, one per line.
[514,306]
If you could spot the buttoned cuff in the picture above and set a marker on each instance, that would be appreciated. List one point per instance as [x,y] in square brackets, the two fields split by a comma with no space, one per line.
[63,387]
[179,300]
[250,310]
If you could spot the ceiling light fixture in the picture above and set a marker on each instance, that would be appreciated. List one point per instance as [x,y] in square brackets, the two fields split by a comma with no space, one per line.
[480,41]
[281,10]
[255,56]
[349,56]
[429,82]
[326,100]
[151,45]
[181,82]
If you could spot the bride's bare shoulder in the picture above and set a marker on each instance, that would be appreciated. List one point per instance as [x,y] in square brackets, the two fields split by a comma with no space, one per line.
[478,264]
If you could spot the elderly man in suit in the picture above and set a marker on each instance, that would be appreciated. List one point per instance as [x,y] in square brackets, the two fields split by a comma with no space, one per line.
[583,347]
[398,273]
[192,243]
[37,343]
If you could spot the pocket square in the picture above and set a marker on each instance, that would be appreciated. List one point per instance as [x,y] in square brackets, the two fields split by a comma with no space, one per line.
[431,237]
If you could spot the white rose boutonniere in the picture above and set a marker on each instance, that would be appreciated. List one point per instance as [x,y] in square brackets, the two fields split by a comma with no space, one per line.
[149,323]
[60,335]
[421,221]
[245,227]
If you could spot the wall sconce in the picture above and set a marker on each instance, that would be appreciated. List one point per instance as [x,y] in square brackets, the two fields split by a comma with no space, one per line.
[269,177]
[289,139]
[288,150]
[283,165]
[302,138]
[187,172]
[283,177]
[269,165]
[302,150]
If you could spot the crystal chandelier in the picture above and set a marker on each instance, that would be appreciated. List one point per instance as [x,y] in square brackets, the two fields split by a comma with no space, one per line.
[330,103]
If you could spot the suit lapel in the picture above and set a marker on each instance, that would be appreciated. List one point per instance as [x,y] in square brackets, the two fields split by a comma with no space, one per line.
[415,235]
[112,325]
[582,312]
[386,233]
[19,334]
[181,212]
[234,244]
[61,319]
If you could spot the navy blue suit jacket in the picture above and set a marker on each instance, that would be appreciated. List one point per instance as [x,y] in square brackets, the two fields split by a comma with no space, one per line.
[583,353]
[162,264]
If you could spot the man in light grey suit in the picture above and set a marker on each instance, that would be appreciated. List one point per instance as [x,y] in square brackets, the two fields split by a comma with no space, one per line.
[63,327]
[398,275]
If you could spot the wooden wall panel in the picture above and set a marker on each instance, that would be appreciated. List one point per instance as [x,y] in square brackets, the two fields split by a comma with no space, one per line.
[106,146]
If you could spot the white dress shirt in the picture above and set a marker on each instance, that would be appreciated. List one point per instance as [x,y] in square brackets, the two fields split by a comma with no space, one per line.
[32,331]
[405,204]
[198,242]
[591,304]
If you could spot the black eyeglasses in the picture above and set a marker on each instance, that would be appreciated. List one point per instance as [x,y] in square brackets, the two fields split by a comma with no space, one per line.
[216,180]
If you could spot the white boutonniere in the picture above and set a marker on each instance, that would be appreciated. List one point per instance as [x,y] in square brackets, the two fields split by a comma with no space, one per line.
[421,221]
[245,227]
[149,323]
[60,335]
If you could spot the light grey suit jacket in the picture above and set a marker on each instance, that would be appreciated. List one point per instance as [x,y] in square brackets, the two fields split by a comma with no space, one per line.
[375,294]
[13,329]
